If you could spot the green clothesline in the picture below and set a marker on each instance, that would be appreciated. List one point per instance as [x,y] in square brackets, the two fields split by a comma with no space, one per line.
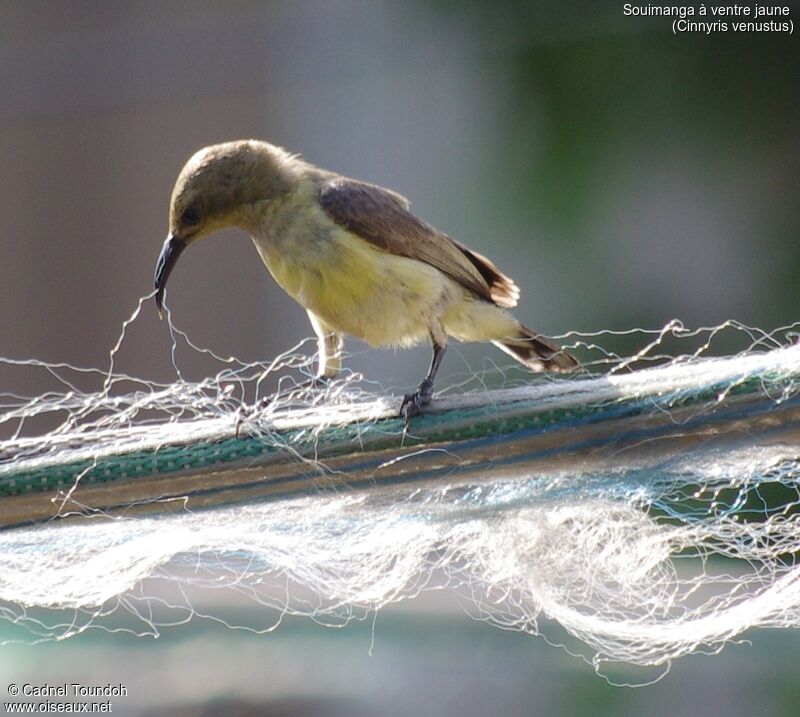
[534,428]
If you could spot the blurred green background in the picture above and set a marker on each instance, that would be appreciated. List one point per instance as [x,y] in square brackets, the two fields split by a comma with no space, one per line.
[624,176]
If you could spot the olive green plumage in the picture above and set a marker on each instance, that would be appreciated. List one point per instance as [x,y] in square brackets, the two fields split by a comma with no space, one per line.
[353,255]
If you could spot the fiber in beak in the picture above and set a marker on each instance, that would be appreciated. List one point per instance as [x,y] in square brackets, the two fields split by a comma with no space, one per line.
[172,249]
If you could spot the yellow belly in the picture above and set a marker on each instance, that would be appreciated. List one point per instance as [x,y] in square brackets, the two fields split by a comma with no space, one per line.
[356,289]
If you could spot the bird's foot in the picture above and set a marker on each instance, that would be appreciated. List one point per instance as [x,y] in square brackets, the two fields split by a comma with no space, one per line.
[413,403]
[245,412]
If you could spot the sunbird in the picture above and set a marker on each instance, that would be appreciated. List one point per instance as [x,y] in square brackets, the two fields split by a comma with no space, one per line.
[354,256]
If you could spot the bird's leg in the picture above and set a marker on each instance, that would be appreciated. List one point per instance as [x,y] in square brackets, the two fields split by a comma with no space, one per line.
[329,349]
[329,366]
[413,403]
[330,356]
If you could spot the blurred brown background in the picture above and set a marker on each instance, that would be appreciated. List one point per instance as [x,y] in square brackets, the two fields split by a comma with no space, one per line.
[622,175]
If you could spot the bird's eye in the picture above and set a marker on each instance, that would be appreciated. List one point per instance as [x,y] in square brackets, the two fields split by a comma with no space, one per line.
[191,216]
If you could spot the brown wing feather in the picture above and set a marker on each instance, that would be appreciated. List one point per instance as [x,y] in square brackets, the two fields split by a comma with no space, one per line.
[382,218]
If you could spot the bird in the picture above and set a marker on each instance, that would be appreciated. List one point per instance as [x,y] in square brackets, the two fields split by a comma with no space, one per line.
[354,256]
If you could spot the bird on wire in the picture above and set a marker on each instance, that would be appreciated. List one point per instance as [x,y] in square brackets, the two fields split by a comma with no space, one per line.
[353,256]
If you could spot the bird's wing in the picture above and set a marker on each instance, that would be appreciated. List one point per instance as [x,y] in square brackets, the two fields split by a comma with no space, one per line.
[382,217]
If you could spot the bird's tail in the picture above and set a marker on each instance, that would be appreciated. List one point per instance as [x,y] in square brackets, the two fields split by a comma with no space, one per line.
[537,352]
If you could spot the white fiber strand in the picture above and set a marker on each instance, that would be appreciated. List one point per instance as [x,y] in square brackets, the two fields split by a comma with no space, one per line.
[653,548]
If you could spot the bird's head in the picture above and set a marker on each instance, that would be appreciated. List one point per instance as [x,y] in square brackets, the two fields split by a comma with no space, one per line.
[219,187]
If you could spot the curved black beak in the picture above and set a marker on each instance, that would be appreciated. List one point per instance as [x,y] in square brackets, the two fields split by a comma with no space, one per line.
[172,249]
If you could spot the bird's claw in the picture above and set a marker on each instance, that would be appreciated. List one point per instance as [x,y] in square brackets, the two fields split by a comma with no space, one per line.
[245,412]
[412,406]
[413,403]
